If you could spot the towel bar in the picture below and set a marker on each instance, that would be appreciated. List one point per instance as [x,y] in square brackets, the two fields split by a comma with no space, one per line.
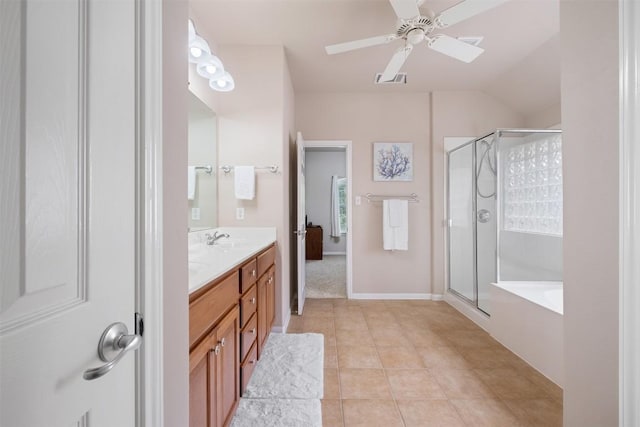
[227,168]
[412,198]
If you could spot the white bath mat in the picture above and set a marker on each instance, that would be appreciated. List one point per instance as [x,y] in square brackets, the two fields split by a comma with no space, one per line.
[278,413]
[290,367]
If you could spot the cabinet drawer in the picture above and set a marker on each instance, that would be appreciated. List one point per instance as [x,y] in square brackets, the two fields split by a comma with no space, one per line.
[249,274]
[248,336]
[247,368]
[248,305]
[266,260]
[207,309]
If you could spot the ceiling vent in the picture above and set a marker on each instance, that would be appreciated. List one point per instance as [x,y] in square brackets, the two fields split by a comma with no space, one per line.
[473,41]
[399,79]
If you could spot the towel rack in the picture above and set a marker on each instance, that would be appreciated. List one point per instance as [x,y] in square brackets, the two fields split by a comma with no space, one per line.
[412,198]
[207,168]
[227,168]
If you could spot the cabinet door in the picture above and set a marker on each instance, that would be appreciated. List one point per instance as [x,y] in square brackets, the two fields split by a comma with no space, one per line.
[262,311]
[228,381]
[271,299]
[202,369]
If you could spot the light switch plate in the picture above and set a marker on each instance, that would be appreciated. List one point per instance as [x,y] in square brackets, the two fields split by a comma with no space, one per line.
[195,214]
[240,213]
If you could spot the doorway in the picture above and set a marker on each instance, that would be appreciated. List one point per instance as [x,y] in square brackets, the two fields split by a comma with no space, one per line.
[327,218]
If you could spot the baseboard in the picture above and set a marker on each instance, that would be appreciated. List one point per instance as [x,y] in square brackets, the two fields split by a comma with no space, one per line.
[334,253]
[437,297]
[471,313]
[391,296]
[285,324]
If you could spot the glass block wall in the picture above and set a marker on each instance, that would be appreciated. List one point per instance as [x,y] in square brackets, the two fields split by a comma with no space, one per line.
[532,196]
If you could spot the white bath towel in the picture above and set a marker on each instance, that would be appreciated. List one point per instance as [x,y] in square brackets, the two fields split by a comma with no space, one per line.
[191,182]
[245,182]
[395,225]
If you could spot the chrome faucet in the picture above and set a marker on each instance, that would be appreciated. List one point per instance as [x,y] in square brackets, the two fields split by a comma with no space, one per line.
[212,239]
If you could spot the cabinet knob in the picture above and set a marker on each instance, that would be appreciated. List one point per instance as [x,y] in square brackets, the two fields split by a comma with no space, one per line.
[253,331]
[252,361]
[253,300]
[253,272]
[216,350]
[270,280]
[222,342]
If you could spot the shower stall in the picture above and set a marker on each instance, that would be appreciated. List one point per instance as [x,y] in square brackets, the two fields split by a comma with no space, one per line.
[504,212]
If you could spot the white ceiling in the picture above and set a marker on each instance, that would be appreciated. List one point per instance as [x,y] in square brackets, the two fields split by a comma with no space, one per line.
[520,64]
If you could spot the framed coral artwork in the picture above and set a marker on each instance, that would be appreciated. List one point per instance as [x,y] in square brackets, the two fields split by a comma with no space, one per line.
[393,161]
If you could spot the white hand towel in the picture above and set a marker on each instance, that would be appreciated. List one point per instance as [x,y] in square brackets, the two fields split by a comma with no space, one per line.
[388,242]
[191,182]
[245,182]
[399,221]
[395,225]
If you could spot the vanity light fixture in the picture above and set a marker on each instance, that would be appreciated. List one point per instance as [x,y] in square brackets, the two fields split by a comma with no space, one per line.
[223,84]
[198,48]
[208,65]
[192,31]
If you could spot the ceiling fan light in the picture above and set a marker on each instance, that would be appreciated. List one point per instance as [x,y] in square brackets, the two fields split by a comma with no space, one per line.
[415,36]
[224,83]
[197,48]
[210,67]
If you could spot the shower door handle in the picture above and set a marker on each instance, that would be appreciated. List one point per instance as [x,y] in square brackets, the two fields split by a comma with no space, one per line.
[484,216]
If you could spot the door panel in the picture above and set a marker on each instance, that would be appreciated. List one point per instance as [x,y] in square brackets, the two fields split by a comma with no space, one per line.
[229,360]
[486,228]
[301,229]
[67,219]
[461,212]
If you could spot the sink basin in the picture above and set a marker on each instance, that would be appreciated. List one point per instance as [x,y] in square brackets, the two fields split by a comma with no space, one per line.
[231,242]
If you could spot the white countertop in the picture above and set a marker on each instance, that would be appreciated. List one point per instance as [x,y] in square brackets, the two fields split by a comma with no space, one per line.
[209,262]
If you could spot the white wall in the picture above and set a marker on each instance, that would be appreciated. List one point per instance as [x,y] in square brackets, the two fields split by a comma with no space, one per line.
[288,136]
[590,117]
[364,118]
[546,118]
[527,256]
[252,131]
[320,166]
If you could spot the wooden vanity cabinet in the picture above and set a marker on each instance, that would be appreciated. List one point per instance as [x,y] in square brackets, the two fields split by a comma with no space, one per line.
[266,306]
[229,322]
[214,383]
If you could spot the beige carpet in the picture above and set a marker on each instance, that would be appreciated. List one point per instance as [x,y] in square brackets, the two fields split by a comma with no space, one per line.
[327,278]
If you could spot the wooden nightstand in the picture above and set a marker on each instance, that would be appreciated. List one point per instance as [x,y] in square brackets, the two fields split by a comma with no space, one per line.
[314,242]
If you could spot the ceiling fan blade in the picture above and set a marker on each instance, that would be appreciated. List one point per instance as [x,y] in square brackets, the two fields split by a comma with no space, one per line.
[405,9]
[455,48]
[465,10]
[397,60]
[358,44]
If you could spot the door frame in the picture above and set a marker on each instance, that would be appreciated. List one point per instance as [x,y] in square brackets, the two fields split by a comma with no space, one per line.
[347,146]
[629,211]
[149,195]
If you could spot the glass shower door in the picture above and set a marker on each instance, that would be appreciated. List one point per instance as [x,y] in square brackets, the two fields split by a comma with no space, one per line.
[486,169]
[461,209]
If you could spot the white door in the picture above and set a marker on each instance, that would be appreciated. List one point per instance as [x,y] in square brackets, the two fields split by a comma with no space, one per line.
[301,226]
[67,209]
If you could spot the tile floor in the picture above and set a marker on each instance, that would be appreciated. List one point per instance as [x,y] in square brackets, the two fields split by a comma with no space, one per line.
[421,363]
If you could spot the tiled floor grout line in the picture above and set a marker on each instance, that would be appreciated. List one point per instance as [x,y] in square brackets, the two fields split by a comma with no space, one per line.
[375,317]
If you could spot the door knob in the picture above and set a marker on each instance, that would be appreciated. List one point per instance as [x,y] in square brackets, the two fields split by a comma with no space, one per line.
[114,344]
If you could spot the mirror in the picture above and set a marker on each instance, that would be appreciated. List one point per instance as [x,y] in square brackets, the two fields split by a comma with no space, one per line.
[202,210]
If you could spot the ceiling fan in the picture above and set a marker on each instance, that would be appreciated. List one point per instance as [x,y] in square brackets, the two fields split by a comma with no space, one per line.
[415,27]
